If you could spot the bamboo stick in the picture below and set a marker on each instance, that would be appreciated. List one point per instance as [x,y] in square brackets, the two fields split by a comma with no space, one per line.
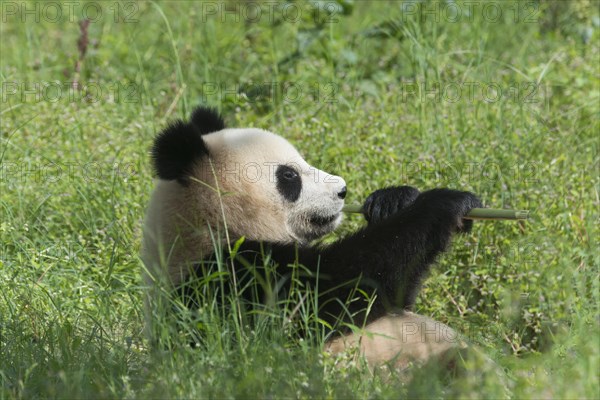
[476,213]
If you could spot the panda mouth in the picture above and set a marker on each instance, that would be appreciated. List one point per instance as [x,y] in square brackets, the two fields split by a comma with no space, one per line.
[320,220]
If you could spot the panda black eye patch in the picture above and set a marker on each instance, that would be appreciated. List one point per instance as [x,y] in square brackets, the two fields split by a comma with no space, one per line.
[289,183]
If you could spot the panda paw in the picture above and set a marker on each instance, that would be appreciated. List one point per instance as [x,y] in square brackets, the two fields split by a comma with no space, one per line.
[384,203]
[451,206]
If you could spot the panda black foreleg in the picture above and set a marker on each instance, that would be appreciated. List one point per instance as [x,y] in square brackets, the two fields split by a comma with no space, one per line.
[393,254]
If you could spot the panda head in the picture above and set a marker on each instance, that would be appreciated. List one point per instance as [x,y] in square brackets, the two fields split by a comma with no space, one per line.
[253,181]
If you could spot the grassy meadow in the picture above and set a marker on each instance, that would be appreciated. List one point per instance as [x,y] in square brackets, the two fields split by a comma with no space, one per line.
[501,98]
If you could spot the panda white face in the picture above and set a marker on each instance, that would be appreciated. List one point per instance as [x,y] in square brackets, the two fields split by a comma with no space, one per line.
[284,198]
[313,199]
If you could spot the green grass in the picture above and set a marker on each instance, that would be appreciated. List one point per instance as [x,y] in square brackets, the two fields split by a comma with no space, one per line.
[75,180]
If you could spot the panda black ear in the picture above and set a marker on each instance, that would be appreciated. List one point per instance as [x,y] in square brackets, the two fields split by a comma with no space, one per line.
[176,149]
[207,120]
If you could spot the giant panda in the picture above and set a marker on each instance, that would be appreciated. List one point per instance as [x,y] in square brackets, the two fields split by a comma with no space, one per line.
[218,186]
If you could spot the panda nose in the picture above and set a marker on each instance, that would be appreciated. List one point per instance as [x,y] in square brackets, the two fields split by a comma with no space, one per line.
[342,193]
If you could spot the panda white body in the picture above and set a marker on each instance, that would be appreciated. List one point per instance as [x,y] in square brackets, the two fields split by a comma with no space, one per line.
[218,184]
